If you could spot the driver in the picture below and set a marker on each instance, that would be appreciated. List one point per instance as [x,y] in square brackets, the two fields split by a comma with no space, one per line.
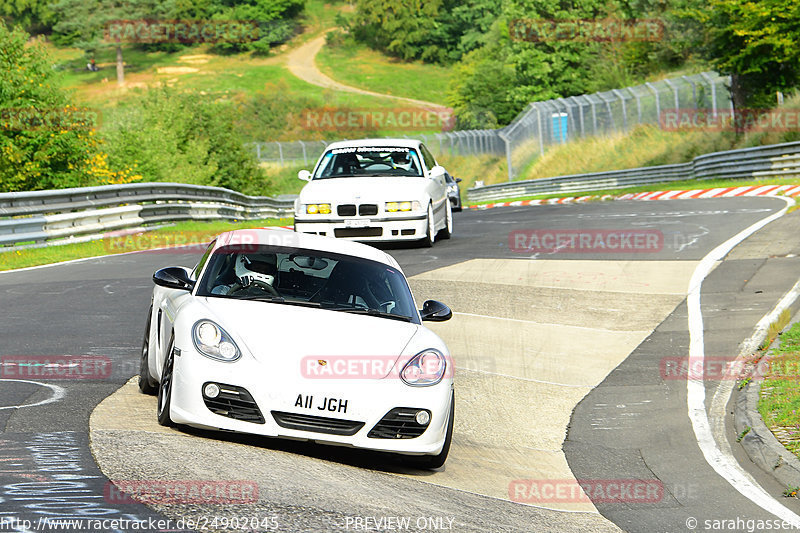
[251,270]
[401,160]
[258,269]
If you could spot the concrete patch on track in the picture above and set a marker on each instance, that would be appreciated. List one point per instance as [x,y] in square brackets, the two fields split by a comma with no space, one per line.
[530,340]
[518,379]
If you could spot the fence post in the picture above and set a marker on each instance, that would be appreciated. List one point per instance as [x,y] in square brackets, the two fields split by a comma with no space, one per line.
[658,101]
[675,92]
[624,109]
[508,155]
[539,124]
[638,105]
[305,159]
[280,151]
[713,86]
[694,89]
[258,151]
[580,115]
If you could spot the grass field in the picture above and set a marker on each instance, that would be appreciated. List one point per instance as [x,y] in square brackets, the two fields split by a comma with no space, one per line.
[358,66]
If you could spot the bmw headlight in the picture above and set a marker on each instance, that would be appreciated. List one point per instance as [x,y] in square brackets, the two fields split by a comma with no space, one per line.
[318,209]
[424,369]
[394,207]
[214,342]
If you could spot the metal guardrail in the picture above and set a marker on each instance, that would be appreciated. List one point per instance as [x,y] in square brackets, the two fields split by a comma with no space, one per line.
[777,160]
[43,216]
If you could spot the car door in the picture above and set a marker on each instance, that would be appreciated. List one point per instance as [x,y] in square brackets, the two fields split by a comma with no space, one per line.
[437,188]
[167,303]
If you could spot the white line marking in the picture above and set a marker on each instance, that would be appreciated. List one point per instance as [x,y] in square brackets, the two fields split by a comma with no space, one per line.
[724,464]
[58,393]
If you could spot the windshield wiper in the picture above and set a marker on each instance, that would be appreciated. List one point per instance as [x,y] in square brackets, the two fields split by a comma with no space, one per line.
[370,312]
[277,300]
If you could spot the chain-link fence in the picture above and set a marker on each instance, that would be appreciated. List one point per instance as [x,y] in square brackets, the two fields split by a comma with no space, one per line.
[557,121]
[458,143]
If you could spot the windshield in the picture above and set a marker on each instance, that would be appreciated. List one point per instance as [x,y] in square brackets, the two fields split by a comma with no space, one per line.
[295,276]
[369,161]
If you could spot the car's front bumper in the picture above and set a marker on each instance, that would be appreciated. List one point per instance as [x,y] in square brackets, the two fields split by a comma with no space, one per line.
[367,401]
[409,227]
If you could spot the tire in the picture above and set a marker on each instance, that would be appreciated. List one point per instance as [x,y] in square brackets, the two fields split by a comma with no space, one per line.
[165,388]
[447,230]
[147,384]
[431,462]
[430,232]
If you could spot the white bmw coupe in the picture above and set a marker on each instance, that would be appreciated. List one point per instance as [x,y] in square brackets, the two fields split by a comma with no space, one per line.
[375,190]
[289,335]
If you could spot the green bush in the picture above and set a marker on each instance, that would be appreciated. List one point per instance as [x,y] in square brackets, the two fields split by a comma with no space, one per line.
[167,135]
[45,141]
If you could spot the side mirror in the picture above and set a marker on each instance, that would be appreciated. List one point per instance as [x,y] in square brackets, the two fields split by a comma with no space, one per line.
[304,175]
[437,171]
[173,278]
[435,311]
[458,180]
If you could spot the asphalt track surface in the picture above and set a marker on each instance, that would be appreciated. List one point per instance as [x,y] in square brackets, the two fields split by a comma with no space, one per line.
[97,307]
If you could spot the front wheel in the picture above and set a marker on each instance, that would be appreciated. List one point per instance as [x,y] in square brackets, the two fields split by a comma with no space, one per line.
[146,383]
[430,232]
[165,388]
[437,461]
[447,230]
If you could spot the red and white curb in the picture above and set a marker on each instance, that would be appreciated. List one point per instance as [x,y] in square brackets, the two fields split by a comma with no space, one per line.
[720,192]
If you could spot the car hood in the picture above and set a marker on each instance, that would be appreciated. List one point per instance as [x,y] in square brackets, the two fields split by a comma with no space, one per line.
[282,336]
[375,189]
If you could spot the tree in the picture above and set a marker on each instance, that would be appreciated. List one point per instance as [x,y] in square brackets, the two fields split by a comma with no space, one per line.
[757,43]
[45,141]
[437,31]
[33,15]
[83,23]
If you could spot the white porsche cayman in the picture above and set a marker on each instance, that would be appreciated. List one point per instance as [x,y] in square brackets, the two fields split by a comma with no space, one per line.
[282,334]
[375,190]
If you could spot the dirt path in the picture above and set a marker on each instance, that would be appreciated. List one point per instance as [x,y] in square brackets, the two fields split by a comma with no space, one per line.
[301,63]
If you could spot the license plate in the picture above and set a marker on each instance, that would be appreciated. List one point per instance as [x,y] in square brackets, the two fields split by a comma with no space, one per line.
[321,403]
[357,223]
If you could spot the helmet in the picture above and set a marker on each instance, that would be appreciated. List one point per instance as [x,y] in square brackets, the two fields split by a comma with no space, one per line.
[401,158]
[261,268]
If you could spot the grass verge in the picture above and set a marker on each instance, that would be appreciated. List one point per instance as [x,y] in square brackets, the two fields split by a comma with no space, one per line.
[182,233]
[779,401]
[358,66]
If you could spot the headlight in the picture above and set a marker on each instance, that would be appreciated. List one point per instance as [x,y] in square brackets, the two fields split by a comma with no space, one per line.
[214,342]
[393,207]
[322,209]
[425,368]
[452,188]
